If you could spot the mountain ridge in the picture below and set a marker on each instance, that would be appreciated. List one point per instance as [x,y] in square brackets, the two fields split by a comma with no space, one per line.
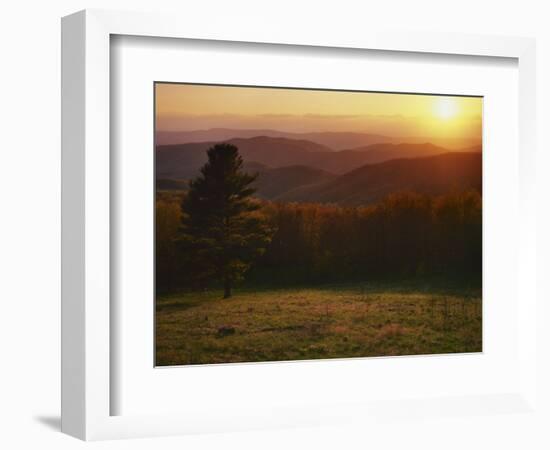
[335,140]
[437,174]
[185,160]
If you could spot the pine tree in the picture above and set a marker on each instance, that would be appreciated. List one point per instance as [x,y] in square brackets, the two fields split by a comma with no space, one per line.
[222,230]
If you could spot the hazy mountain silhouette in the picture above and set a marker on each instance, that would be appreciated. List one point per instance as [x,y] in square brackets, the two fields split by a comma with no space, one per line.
[333,140]
[185,160]
[431,175]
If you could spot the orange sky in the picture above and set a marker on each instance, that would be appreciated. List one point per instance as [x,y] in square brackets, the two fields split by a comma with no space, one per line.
[192,107]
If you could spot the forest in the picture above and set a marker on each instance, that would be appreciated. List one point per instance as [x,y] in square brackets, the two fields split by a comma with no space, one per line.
[405,235]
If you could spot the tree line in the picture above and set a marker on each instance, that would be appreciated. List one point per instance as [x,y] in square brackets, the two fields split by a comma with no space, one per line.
[407,234]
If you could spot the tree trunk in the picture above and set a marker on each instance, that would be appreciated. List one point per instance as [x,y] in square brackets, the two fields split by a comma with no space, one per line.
[227,288]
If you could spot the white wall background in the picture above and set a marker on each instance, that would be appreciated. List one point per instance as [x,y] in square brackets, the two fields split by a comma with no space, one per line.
[30,199]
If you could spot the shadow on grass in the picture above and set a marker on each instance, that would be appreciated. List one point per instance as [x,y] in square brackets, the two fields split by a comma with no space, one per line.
[185,300]
[436,286]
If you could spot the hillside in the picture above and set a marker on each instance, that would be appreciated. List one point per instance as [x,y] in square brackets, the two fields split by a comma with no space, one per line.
[432,175]
[272,183]
[346,160]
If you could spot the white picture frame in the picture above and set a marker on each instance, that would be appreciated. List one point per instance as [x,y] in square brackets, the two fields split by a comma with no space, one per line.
[86,220]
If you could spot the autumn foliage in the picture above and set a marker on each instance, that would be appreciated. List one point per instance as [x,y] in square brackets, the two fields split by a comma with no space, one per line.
[405,235]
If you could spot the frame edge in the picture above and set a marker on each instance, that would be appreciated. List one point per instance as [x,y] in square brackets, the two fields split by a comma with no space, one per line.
[73,83]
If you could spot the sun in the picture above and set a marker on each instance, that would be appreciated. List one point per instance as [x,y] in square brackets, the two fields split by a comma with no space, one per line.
[445,108]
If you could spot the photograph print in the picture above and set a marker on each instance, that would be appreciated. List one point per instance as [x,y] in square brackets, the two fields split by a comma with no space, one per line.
[304,224]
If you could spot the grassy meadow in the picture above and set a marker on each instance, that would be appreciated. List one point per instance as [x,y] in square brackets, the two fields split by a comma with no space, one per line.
[332,321]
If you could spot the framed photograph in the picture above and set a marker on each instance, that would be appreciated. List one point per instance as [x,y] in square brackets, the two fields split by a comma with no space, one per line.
[275,241]
[267,229]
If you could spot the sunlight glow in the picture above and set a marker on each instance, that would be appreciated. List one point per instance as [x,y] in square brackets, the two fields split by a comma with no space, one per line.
[446,108]
[440,119]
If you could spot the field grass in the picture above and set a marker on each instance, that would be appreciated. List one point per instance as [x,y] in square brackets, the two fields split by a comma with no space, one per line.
[338,321]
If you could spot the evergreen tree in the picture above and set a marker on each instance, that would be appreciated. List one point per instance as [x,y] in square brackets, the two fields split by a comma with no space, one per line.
[222,232]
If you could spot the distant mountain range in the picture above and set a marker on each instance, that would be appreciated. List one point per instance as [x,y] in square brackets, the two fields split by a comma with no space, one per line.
[304,171]
[333,140]
[185,160]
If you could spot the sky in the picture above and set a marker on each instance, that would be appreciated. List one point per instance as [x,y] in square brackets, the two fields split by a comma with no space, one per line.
[185,107]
